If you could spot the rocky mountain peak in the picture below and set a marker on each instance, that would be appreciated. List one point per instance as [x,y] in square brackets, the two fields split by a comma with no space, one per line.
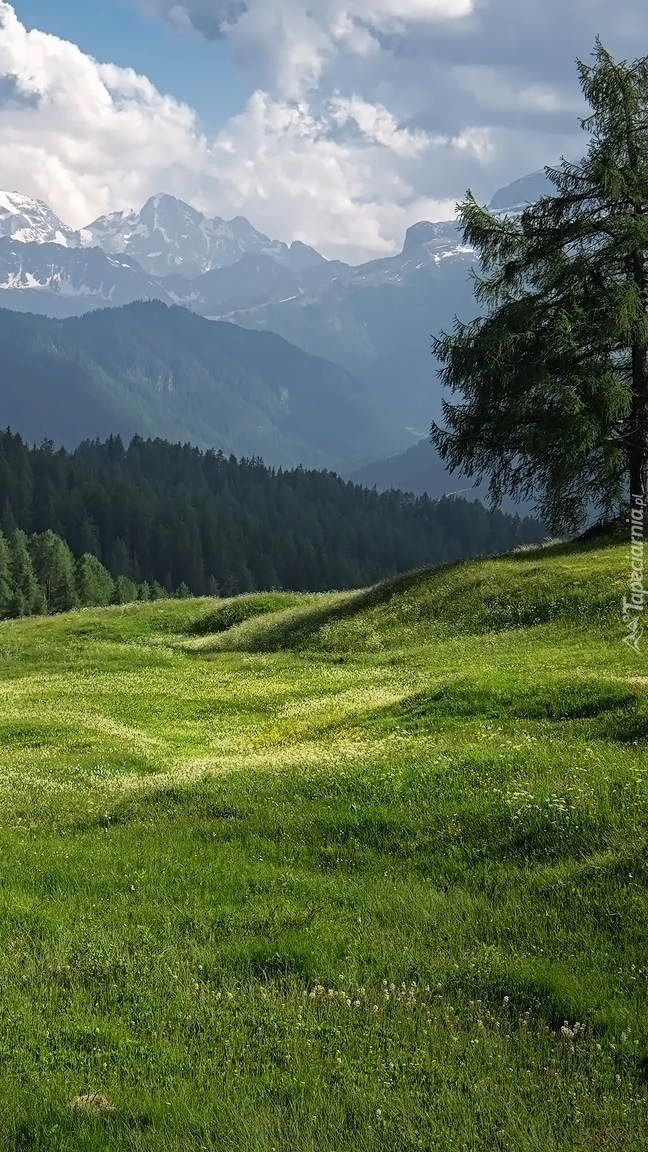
[32,221]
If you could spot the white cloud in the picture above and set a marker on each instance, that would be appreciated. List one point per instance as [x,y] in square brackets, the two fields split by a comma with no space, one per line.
[91,134]
[90,138]
[378,126]
[350,197]
[288,45]
[366,115]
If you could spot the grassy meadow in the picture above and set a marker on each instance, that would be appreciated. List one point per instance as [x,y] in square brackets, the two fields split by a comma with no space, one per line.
[334,873]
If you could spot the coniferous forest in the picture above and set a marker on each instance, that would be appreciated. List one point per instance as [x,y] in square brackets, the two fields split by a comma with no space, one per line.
[99,522]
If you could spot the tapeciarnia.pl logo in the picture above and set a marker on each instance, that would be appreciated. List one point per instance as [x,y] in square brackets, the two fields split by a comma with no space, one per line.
[633,607]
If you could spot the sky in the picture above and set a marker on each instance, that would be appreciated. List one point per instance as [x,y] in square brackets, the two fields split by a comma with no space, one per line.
[336,122]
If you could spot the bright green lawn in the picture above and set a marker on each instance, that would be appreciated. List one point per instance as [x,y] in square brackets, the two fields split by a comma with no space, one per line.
[332,877]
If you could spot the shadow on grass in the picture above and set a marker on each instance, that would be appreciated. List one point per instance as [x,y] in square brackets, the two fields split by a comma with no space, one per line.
[546,994]
[197,804]
[462,595]
[244,608]
[53,1128]
[575,700]
[296,630]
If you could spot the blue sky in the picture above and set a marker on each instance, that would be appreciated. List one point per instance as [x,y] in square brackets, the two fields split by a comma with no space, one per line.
[339,123]
[193,69]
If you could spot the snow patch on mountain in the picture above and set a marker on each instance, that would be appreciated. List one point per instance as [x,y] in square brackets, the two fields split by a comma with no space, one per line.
[50,271]
[33,221]
[168,235]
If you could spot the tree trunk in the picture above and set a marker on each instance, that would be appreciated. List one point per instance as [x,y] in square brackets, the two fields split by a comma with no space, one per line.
[637,449]
[637,475]
[638,441]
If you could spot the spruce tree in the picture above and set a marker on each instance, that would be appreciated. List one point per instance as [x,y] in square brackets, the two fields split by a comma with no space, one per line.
[124,591]
[554,378]
[6,584]
[27,597]
[55,571]
[95,586]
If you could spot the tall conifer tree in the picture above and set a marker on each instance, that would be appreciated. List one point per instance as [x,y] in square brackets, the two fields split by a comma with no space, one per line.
[94,584]
[28,598]
[6,583]
[554,377]
[55,570]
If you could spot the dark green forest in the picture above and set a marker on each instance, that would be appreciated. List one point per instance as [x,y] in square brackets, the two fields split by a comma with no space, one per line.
[172,515]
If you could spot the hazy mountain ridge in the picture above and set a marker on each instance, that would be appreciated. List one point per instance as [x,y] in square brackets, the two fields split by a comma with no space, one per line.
[69,280]
[376,319]
[421,470]
[163,372]
[168,236]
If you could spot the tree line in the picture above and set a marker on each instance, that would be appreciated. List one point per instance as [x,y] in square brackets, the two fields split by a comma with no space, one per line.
[171,516]
[39,575]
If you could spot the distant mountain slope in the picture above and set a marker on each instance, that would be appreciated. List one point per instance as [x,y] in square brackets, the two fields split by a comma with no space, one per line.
[62,281]
[164,372]
[521,192]
[48,390]
[377,319]
[421,470]
[32,221]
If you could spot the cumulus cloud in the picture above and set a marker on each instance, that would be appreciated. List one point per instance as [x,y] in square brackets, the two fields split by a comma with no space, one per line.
[351,196]
[364,115]
[504,68]
[91,137]
[288,45]
[85,135]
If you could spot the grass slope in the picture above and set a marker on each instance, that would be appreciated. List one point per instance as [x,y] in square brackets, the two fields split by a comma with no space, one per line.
[342,872]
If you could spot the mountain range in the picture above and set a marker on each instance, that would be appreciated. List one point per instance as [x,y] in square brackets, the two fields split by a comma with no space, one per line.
[374,319]
[371,324]
[166,373]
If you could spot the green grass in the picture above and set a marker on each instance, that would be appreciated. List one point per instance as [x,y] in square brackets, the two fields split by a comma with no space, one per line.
[330,873]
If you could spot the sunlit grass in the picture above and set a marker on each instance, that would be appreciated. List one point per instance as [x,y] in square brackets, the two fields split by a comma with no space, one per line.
[338,872]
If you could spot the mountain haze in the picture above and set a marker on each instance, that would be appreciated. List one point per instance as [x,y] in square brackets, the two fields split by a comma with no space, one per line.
[168,235]
[163,372]
[375,320]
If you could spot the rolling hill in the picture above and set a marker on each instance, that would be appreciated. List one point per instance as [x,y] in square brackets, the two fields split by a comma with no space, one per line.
[346,872]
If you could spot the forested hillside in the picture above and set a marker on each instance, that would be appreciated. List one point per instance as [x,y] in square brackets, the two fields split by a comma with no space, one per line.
[164,372]
[172,514]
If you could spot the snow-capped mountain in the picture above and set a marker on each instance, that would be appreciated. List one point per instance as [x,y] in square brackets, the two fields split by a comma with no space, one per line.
[169,236]
[426,246]
[33,221]
[64,281]
[375,319]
